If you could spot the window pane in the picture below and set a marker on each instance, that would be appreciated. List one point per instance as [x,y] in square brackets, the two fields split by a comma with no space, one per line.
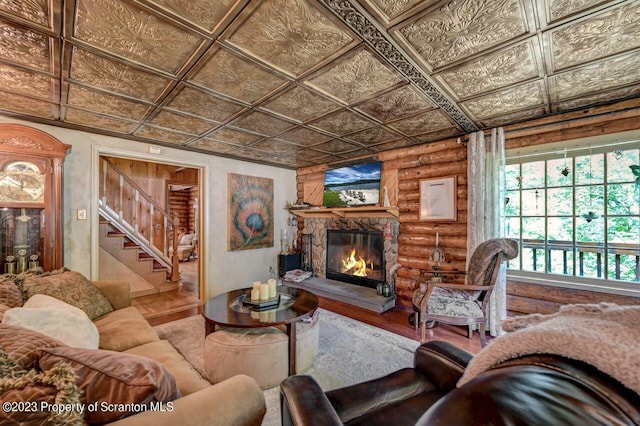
[618,163]
[622,267]
[590,264]
[533,175]
[560,202]
[513,228]
[622,199]
[559,172]
[512,207]
[561,261]
[624,230]
[533,228]
[512,173]
[589,231]
[590,199]
[560,229]
[533,202]
[590,169]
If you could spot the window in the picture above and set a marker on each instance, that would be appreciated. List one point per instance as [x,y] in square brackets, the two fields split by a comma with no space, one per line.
[576,212]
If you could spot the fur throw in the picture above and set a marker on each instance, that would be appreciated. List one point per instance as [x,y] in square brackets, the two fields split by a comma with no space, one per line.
[605,335]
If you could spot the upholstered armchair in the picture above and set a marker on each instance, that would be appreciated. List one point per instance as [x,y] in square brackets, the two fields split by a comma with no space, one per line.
[465,304]
[186,246]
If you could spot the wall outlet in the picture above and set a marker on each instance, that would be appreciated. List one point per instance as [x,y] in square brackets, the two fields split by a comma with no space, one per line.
[82,214]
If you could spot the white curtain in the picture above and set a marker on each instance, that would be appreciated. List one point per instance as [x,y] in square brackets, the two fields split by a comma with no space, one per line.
[486,195]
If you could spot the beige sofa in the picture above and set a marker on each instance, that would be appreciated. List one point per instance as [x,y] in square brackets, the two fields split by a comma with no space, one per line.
[235,401]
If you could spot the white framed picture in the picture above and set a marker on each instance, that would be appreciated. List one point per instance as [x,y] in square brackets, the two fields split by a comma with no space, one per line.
[438,199]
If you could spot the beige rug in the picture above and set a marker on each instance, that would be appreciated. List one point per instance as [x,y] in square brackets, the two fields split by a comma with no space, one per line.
[349,352]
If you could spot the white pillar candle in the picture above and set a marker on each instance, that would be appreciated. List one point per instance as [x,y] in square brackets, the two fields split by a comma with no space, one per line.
[437,237]
[255,294]
[256,285]
[272,288]
[264,291]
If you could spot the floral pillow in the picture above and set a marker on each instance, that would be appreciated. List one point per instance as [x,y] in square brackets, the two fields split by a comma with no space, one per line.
[71,287]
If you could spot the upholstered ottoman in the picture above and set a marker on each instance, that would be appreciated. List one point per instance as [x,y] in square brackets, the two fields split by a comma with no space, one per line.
[261,353]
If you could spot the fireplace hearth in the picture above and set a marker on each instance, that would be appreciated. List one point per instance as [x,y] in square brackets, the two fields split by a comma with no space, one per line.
[356,257]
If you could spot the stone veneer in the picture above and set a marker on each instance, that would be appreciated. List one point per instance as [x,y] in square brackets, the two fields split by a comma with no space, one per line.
[318,226]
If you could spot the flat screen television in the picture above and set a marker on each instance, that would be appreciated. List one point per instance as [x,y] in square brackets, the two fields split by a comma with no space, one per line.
[356,185]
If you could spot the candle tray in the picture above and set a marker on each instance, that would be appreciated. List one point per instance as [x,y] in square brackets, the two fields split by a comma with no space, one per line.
[260,304]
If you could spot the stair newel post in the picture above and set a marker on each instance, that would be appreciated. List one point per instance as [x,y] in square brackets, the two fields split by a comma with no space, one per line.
[175,275]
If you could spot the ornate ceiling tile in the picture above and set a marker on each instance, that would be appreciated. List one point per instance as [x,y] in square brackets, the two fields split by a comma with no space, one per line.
[274,146]
[396,104]
[29,106]
[202,104]
[336,146]
[261,123]
[163,135]
[27,83]
[206,14]
[104,103]
[527,95]
[607,74]
[300,104]
[355,77]
[304,137]
[605,34]
[598,98]
[88,119]
[459,29]
[389,9]
[113,76]
[214,146]
[26,47]
[515,117]
[183,123]
[559,9]
[291,35]
[232,76]
[342,122]
[312,155]
[426,122]
[373,136]
[36,11]
[233,137]
[512,65]
[131,32]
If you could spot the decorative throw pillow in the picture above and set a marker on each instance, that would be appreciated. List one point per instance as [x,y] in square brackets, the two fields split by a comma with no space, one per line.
[21,344]
[56,319]
[32,389]
[128,383]
[70,287]
[10,294]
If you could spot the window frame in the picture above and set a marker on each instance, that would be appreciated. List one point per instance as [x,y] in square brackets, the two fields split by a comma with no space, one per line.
[574,148]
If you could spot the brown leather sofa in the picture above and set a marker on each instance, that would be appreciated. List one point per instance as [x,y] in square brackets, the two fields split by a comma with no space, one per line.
[531,390]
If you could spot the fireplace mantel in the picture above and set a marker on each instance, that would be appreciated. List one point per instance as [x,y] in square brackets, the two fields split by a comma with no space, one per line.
[362,211]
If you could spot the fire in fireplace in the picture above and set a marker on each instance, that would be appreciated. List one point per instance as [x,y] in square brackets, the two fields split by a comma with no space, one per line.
[355,257]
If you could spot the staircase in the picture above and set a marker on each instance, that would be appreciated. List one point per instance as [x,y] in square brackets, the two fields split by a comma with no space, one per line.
[118,245]
[135,232]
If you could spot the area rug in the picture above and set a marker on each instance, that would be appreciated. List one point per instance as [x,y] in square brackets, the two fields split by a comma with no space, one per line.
[349,352]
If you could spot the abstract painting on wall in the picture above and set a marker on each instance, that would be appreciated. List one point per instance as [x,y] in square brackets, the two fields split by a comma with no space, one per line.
[250,212]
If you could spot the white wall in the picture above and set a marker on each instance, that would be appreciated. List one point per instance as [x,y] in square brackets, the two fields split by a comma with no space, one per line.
[223,270]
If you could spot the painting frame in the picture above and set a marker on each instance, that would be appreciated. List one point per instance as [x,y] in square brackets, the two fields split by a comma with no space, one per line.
[438,200]
[250,220]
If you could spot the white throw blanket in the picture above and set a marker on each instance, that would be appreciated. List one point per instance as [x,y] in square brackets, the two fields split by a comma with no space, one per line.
[605,335]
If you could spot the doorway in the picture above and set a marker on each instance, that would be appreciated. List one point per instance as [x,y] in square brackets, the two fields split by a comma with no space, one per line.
[174,190]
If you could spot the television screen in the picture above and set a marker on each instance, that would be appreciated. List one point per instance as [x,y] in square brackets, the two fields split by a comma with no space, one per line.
[357,185]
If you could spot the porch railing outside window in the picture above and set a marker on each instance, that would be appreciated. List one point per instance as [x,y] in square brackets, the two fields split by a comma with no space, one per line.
[576,214]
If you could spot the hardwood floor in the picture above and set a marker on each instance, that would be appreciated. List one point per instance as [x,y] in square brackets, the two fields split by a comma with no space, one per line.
[182,303]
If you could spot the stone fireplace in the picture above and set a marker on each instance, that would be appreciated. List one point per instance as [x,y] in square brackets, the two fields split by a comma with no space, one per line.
[318,228]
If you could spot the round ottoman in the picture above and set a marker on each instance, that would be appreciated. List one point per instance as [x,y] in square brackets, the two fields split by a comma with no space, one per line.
[259,352]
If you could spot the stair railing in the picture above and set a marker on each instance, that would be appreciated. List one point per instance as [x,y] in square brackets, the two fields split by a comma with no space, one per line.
[132,211]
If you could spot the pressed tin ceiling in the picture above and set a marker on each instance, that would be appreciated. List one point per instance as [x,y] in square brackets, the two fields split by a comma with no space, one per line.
[294,83]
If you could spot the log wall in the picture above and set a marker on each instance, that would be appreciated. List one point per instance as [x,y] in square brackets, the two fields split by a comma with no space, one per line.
[404,168]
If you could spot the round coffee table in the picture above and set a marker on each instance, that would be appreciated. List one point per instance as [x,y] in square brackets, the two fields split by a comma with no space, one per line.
[227,310]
